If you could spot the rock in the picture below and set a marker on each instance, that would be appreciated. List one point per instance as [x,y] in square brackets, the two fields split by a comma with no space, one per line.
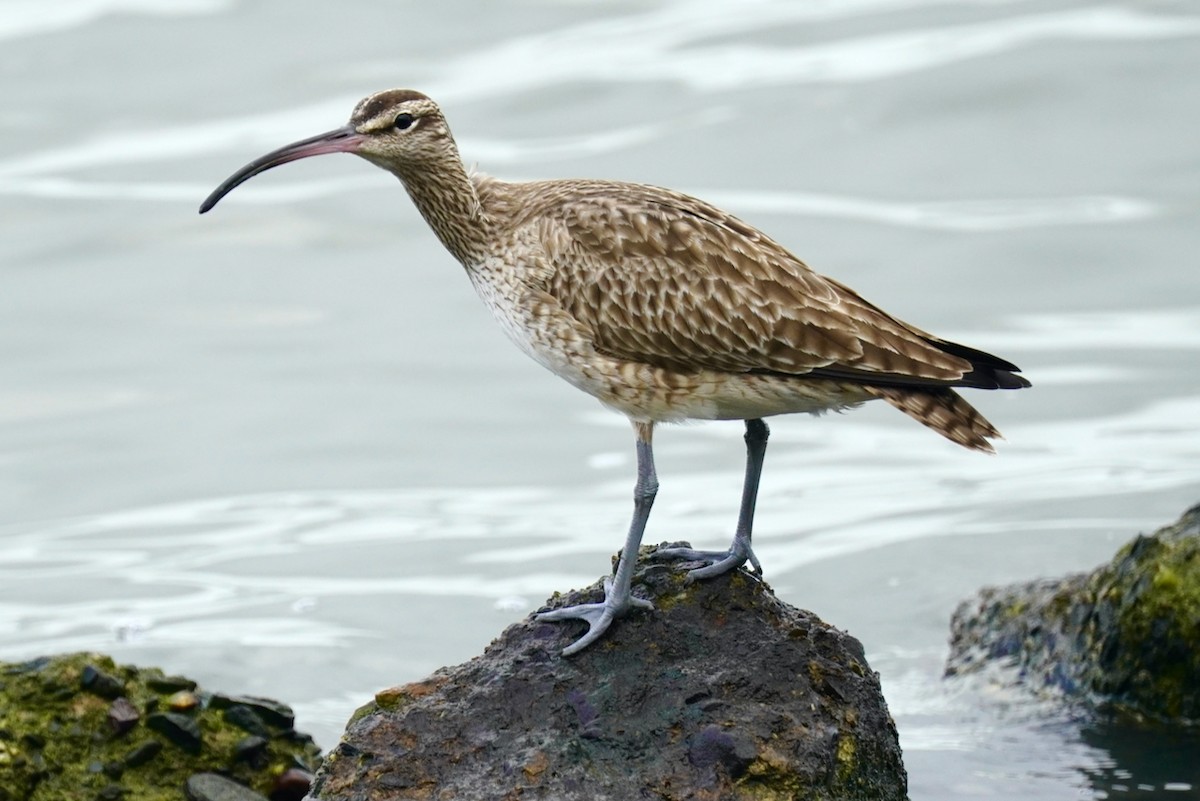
[183,701]
[122,716]
[250,749]
[723,692]
[58,741]
[100,683]
[276,714]
[214,787]
[293,785]
[32,666]
[169,684]
[179,729]
[246,719]
[143,753]
[1123,638]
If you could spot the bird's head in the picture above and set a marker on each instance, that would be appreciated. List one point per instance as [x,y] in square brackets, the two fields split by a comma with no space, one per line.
[398,130]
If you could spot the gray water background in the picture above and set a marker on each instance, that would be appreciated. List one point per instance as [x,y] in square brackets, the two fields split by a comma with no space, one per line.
[284,449]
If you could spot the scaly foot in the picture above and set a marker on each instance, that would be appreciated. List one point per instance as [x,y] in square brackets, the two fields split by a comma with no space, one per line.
[598,616]
[720,562]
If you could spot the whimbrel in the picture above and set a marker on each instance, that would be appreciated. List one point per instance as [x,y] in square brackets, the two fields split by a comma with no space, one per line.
[663,307]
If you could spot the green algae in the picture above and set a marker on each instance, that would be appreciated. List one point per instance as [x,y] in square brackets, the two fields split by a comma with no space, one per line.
[769,778]
[773,777]
[369,708]
[847,757]
[1149,661]
[1125,637]
[57,742]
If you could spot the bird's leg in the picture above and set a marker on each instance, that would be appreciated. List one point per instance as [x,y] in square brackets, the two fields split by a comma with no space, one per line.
[739,550]
[618,599]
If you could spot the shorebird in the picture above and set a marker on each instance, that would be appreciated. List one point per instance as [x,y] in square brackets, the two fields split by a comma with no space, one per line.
[663,307]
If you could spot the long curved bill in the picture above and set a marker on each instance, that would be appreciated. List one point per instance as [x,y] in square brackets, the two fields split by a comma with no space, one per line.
[340,140]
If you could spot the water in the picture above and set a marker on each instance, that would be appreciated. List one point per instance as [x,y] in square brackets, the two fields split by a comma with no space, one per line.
[284,449]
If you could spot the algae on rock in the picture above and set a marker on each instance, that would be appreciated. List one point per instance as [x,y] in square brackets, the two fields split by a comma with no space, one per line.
[1125,636]
[81,727]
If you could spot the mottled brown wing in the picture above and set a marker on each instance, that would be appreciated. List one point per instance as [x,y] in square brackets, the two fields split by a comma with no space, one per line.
[666,279]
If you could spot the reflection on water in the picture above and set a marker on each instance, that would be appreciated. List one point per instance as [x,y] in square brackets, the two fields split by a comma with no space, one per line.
[1142,762]
[1026,170]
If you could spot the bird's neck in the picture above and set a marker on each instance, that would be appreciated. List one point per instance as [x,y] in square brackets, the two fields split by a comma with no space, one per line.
[446,198]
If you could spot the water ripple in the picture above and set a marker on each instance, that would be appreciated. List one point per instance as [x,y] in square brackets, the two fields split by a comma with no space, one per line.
[24,18]
[676,44]
[1127,329]
[256,558]
[967,215]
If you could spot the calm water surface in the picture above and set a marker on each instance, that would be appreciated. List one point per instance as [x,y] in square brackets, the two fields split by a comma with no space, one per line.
[283,447]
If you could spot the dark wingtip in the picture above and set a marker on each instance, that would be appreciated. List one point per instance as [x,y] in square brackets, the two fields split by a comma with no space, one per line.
[985,376]
[988,370]
[1008,380]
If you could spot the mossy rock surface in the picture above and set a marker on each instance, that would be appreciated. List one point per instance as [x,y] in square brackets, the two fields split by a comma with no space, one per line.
[81,727]
[1125,637]
[723,692]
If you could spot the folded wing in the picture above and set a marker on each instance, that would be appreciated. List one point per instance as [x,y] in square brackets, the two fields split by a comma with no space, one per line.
[666,279]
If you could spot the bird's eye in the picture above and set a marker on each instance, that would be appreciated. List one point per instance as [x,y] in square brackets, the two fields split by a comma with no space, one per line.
[404,121]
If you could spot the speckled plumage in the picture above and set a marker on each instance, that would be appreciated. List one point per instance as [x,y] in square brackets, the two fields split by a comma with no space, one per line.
[658,304]
[666,308]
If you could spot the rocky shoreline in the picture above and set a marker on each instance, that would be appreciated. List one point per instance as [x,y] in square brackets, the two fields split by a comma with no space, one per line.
[80,727]
[1123,639]
[722,692]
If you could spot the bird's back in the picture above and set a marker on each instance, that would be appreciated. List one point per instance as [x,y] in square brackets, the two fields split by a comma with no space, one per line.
[668,279]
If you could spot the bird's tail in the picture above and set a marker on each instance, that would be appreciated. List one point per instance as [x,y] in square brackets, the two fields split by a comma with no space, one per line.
[946,412]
